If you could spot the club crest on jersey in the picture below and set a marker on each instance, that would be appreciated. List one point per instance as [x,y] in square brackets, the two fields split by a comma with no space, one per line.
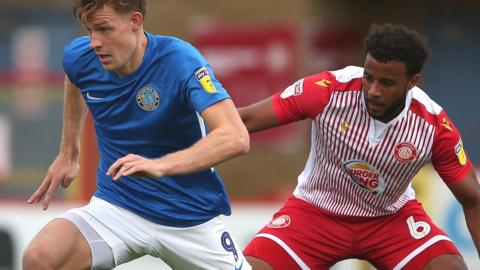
[405,152]
[279,222]
[460,152]
[365,176]
[295,89]
[203,77]
[148,98]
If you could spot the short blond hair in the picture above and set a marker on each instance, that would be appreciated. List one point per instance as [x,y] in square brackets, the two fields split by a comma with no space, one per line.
[84,9]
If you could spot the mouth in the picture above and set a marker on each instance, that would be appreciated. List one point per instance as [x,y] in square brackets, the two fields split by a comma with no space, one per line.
[105,58]
[374,106]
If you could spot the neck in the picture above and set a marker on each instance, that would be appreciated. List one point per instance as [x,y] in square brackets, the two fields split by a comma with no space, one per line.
[136,58]
[390,115]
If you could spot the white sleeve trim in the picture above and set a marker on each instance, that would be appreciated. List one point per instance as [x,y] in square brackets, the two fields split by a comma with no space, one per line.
[431,106]
[348,73]
[203,129]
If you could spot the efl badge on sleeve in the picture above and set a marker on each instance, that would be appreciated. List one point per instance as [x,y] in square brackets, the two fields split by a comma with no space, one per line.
[460,152]
[204,78]
[295,89]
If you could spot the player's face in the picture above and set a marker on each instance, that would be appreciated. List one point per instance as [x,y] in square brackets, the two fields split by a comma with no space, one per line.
[385,87]
[115,39]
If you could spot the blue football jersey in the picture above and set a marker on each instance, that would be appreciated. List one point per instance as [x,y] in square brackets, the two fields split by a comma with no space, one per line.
[152,112]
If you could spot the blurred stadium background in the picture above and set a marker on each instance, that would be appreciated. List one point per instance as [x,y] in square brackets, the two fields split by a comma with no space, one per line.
[256,48]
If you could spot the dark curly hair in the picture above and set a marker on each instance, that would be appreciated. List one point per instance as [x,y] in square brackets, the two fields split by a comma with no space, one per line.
[388,42]
[84,9]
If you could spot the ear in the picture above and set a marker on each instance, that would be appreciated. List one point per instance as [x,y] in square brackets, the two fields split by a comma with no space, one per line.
[413,81]
[136,19]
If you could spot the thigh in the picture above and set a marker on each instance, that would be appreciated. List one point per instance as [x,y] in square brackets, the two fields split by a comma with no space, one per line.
[61,244]
[205,246]
[446,262]
[101,253]
[406,240]
[300,236]
[128,235]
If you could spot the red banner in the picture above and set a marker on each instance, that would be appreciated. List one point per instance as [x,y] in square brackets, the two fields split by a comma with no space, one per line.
[252,62]
[332,48]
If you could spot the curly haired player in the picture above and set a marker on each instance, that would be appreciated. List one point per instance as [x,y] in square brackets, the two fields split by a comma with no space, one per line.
[372,131]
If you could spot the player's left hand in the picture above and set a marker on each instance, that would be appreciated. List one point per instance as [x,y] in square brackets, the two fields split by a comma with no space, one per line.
[134,165]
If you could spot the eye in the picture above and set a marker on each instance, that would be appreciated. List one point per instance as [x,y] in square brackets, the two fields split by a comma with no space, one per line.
[367,77]
[104,29]
[387,82]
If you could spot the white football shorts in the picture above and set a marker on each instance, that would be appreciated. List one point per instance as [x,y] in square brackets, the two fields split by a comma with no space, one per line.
[206,246]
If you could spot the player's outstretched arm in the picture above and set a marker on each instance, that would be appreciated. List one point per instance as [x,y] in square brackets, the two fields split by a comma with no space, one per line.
[226,139]
[64,168]
[467,192]
[259,116]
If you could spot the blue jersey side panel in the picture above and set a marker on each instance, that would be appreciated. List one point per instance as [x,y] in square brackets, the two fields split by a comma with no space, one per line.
[152,112]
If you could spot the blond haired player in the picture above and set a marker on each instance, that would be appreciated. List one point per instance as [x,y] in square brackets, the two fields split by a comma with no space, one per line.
[162,121]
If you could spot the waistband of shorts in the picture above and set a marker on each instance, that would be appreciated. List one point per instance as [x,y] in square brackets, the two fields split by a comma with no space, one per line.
[293,201]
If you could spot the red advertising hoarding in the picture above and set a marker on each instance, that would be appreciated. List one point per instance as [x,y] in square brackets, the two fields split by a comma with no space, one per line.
[252,62]
[331,48]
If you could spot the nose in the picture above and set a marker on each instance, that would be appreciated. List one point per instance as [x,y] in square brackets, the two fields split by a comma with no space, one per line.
[95,42]
[374,89]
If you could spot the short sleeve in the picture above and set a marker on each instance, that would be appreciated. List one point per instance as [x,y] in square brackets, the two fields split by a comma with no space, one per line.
[201,88]
[306,98]
[449,157]
[71,53]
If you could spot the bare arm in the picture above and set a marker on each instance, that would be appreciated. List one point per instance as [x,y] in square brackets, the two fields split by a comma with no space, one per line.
[64,168]
[259,116]
[467,193]
[226,139]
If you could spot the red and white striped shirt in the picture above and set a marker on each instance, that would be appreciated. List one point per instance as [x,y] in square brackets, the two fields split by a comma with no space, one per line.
[359,166]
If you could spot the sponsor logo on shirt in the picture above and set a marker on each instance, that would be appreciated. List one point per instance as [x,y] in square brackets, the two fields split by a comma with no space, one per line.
[446,124]
[323,83]
[344,126]
[90,97]
[405,152]
[204,78]
[295,89]
[460,152]
[279,222]
[365,176]
[148,98]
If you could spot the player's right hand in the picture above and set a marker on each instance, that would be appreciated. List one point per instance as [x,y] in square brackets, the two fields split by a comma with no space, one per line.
[63,170]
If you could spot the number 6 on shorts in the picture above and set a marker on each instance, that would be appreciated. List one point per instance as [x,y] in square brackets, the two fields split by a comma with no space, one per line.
[418,229]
